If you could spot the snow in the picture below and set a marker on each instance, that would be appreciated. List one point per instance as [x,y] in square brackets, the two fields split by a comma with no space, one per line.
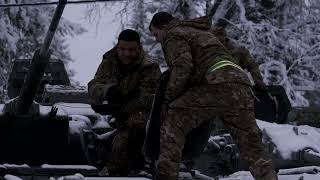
[290,138]
[1,107]
[101,122]
[300,170]
[80,122]
[72,177]
[77,123]
[16,166]
[11,177]
[69,109]
[79,116]
[64,109]
[66,89]
[245,175]
[85,167]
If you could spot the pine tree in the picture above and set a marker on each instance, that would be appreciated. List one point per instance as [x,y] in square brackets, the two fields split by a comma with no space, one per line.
[283,38]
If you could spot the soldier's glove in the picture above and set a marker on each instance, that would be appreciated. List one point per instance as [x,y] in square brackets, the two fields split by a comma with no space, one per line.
[116,123]
[98,96]
[113,95]
[99,93]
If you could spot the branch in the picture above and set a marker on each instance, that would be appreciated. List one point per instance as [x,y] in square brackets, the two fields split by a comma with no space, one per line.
[223,22]
[214,8]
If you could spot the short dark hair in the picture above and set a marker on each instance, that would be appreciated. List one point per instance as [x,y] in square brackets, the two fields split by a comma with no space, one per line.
[160,19]
[129,35]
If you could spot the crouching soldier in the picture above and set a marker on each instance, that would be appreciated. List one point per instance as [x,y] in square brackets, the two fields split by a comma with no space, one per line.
[127,77]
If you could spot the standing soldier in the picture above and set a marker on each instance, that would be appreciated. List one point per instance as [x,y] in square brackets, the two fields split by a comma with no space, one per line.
[205,81]
[127,76]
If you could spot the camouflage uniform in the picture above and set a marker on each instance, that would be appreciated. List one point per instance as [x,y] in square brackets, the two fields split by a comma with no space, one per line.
[137,83]
[245,60]
[194,97]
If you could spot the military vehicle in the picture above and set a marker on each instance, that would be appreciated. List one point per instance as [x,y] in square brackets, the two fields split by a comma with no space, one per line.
[54,86]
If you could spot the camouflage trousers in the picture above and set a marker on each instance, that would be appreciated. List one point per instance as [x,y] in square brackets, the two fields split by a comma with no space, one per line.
[126,151]
[233,103]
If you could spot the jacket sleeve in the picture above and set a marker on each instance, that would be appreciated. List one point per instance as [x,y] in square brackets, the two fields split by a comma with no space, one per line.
[178,56]
[247,62]
[101,82]
[148,83]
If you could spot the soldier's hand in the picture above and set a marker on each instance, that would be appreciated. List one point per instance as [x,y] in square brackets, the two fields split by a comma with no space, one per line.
[113,95]
[117,122]
[98,96]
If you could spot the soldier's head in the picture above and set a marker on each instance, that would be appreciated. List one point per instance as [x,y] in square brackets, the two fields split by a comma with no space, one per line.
[159,23]
[129,46]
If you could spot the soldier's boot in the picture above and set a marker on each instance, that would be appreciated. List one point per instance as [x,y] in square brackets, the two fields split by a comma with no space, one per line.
[263,170]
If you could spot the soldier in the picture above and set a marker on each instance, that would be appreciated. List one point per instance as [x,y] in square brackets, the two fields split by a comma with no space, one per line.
[205,81]
[127,76]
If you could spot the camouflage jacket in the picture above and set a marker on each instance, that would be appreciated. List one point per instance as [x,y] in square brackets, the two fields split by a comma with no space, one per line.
[190,49]
[136,82]
[246,61]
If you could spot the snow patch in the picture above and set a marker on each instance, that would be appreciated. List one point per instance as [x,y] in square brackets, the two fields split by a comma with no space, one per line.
[69,109]
[102,122]
[290,139]
[300,170]
[11,177]
[77,176]
[77,123]
[16,166]
[246,175]
[85,167]
[66,89]
[1,108]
